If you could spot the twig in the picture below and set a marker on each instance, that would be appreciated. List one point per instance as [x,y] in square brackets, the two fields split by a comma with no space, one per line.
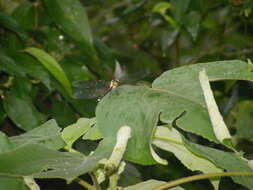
[113,181]
[95,181]
[30,182]
[201,177]
[85,184]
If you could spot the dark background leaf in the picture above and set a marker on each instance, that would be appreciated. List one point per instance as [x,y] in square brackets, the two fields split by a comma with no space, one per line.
[19,106]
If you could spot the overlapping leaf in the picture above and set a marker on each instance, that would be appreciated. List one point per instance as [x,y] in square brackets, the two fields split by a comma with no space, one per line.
[171,94]
[130,105]
[181,91]
[38,161]
[48,135]
[35,154]
[169,139]
[227,160]
[71,133]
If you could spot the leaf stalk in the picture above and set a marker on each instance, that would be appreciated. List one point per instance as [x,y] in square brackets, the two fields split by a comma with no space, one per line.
[201,177]
[85,184]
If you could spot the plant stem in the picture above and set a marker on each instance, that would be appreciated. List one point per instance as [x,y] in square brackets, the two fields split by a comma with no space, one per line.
[85,184]
[30,182]
[95,181]
[200,177]
[113,181]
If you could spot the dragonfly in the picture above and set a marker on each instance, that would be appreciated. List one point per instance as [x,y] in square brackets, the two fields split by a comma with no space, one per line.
[91,89]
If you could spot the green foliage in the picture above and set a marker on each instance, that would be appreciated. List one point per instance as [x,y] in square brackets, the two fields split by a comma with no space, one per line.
[71,133]
[167,51]
[170,140]
[48,135]
[52,66]
[226,160]
[19,106]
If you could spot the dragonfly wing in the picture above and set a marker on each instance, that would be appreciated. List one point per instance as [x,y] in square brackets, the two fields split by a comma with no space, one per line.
[90,89]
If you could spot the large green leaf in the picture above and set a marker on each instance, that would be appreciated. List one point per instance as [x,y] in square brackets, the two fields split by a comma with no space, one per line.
[171,94]
[34,153]
[38,161]
[19,106]
[180,89]
[52,66]
[169,139]
[48,135]
[131,106]
[227,160]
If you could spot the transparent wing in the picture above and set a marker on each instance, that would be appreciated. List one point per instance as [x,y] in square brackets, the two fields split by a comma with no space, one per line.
[90,89]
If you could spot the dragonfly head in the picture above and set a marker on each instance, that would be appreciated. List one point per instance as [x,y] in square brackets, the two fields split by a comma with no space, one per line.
[114,83]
